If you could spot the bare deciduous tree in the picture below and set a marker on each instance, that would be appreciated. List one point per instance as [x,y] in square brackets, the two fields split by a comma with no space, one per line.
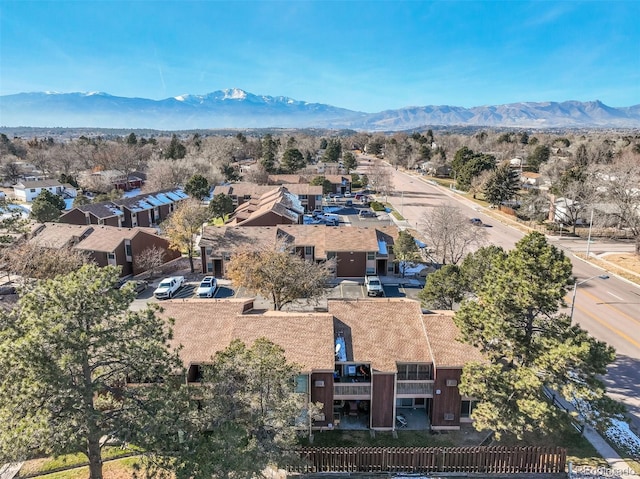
[182,226]
[32,261]
[380,178]
[279,274]
[449,233]
[620,187]
[151,259]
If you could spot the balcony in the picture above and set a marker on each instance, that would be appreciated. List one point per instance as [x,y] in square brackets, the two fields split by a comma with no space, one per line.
[351,391]
[414,388]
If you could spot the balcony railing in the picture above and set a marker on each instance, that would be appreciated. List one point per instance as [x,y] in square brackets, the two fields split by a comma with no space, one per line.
[351,390]
[422,388]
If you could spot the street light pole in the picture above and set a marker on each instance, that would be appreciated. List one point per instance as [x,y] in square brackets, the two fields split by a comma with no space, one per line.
[589,237]
[575,289]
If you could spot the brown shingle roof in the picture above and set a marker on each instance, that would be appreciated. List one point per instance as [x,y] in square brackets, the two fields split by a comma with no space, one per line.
[108,238]
[443,337]
[325,238]
[204,327]
[59,235]
[382,332]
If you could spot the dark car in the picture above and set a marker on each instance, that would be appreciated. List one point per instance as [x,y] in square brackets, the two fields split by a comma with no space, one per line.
[476,222]
[139,285]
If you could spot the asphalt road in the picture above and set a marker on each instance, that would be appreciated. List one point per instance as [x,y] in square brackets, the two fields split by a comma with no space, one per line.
[609,309]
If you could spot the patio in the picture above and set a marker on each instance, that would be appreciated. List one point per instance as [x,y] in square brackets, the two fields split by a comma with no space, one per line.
[417,420]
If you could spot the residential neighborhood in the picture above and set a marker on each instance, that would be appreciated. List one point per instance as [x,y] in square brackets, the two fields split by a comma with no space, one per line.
[384,263]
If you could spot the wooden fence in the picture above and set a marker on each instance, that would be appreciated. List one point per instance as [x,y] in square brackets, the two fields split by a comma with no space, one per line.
[491,460]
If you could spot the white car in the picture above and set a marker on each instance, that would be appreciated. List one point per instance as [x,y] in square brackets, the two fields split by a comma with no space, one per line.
[168,287]
[207,287]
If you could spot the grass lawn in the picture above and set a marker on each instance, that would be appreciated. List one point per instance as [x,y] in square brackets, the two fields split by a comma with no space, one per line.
[579,450]
[48,464]
[117,469]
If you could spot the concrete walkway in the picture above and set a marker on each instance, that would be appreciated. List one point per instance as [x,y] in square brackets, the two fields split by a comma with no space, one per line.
[9,471]
[618,468]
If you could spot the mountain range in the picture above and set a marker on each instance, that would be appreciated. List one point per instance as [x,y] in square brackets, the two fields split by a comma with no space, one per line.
[235,108]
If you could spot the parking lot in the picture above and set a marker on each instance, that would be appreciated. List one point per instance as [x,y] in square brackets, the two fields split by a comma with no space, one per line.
[347,289]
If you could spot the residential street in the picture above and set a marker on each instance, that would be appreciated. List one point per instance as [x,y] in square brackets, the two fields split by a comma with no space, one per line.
[609,309]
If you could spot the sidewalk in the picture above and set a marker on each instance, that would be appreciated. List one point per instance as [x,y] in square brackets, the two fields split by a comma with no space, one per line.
[618,468]
[9,471]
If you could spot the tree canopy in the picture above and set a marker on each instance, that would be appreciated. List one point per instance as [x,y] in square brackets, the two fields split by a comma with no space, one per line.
[466,165]
[531,348]
[248,414]
[278,274]
[324,182]
[349,161]
[176,150]
[444,288]
[221,205]
[292,160]
[197,187]
[182,226]
[47,206]
[502,185]
[405,250]
[65,354]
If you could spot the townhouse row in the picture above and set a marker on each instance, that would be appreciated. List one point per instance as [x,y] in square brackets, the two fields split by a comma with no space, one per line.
[366,361]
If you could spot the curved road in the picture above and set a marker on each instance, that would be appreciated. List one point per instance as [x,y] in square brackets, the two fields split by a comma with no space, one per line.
[609,309]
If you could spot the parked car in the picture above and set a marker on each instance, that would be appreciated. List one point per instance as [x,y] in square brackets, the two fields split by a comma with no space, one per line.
[168,287]
[373,285]
[347,195]
[139,285]
[367,214]
[207,287]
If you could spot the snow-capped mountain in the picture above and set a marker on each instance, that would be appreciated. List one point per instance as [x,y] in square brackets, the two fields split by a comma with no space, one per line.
[235,108]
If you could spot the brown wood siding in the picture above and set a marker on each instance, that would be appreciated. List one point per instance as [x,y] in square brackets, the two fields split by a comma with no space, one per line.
[382,400]
[351,264]
[126,219]
[311,202]
[74,217]
[164,211]
[126,268]
[143,218]
[142,241]
[323,395]
[448,401]
[99,258]
[203,259]
[110,221]
[268,219]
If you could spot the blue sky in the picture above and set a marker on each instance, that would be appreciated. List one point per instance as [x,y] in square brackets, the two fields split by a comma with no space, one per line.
[366,56]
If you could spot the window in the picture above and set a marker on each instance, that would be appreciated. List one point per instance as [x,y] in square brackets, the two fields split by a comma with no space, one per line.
[371,255]
[308,250]
[209,267]
[414,372]
[466,408]
[331,254]
[302,197]
[302,383]
[371,270]
[32,190]
[226,256]
[127,249]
